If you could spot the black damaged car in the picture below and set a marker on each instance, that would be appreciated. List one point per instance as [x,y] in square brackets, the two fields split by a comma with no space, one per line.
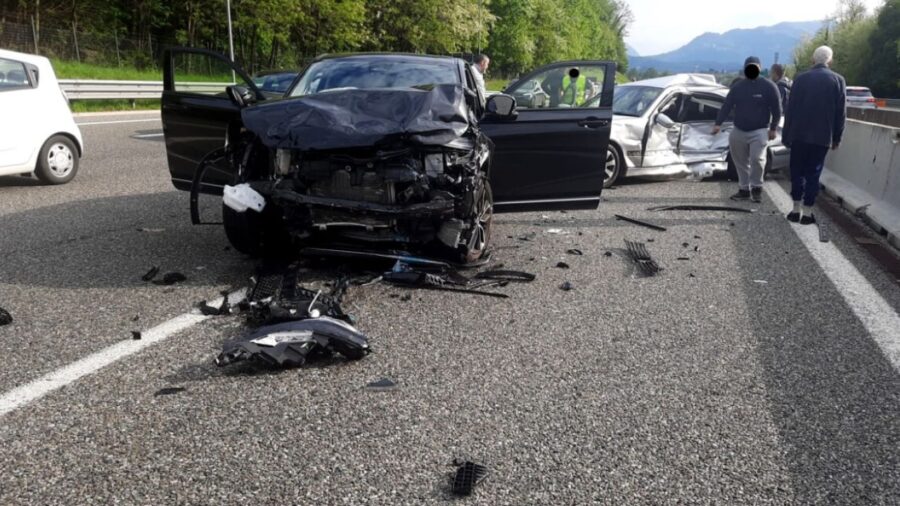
[387,150]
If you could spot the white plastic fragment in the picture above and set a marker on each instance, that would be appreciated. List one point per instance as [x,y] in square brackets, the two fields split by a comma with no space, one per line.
[243,197]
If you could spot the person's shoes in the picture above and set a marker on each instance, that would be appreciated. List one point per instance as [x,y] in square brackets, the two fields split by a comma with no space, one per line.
[756,194]
[741,195]
[808,219]
[793,216]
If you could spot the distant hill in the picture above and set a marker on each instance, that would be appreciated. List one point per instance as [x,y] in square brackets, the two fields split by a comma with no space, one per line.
[726,51]
[631,51]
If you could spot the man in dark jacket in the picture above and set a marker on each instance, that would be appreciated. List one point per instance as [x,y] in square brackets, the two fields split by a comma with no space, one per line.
[776,73]
[757,112]
[814,122]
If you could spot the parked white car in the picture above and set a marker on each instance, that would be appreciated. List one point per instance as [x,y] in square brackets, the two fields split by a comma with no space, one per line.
[37,132]
[860,96]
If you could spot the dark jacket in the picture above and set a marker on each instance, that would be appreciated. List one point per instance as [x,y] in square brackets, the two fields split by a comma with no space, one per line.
[756,104]
[817,109]
[784,87]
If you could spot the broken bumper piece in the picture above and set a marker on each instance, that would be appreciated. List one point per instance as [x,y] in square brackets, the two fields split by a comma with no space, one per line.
[243,197]
[436,207]
[290,344]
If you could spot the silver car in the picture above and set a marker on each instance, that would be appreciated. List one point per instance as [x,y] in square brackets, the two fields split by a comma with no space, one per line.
[860,96]
[662,129]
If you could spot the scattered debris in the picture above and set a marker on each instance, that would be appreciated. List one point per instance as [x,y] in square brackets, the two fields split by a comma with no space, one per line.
[696,248]
[683,258]
[761,281]
[691,275]
[554,231]
[528,237]
[135,317]
[151,230]
[150,274]
[731,224]
[639,222]
[170,278]
[289,344]
[468,474]
[405,297]
[607,254]
[684,245]
[169,391]
[700,208]
[651,240]
[562,265]
[824,236]
[222,310]
[381,385]
[567,286]
[372,255]
[642,258]
[697,237]
[277,297]
[506,275]
[5,317]
[417,279]
[575,251]
[135,335]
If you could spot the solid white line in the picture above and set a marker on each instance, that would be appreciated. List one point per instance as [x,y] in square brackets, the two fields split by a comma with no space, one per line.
[118,121]
[147,136]
[877,316]
[22,395]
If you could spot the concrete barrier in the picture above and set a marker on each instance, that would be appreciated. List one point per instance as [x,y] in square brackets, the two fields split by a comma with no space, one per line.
[864,175]
[888,117]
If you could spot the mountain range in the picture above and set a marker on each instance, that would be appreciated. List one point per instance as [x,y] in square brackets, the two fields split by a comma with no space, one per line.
[726,51]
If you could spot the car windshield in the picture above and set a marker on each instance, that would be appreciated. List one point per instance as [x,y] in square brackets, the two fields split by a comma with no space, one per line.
[858,93]
[634,100]
[366,73]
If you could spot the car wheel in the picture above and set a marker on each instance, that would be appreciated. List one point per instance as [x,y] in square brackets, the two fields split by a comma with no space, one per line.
[243,230]
[613,166]
[479,236]
[58,161]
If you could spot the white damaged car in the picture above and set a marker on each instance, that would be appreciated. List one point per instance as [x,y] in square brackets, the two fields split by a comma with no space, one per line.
[662,129]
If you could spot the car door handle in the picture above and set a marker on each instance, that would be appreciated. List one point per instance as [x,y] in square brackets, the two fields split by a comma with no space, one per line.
[593,123]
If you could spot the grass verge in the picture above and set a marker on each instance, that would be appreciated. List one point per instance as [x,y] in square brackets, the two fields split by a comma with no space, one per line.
[113,105]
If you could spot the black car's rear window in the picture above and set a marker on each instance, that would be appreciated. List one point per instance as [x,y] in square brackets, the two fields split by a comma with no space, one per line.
[374,72]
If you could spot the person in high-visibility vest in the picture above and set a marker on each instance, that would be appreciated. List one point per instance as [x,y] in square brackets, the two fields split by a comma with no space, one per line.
[573,85]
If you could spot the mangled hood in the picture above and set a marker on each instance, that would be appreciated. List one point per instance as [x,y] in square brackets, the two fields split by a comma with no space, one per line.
[355,118]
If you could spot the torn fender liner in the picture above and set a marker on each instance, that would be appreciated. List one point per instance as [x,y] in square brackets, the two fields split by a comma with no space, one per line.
[289,344]
[362,118]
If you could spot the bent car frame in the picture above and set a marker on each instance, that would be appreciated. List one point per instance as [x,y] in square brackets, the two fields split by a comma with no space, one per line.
[391,150]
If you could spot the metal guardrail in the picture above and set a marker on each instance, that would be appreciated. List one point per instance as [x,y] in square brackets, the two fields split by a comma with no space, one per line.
[78,89]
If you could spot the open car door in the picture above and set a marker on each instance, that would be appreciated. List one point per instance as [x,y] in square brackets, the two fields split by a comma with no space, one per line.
[552,153]
[198,115]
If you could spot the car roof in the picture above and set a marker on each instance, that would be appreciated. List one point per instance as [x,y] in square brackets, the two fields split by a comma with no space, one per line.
[389,56]
[687,80]
[858,88]
[33,59]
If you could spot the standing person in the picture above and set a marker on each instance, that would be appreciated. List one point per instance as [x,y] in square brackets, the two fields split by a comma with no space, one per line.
[784,84]
[814,122]
[757,105]
[479,68]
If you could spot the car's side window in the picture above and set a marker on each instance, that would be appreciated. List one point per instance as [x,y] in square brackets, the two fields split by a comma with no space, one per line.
[13,76]
[560,87]
[203,74]
[700,108]
[672,107]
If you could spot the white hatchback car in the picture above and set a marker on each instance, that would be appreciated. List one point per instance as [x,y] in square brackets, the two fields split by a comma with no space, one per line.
[37,132]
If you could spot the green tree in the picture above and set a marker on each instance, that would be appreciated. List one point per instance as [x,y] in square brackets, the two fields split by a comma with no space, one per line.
[883,63]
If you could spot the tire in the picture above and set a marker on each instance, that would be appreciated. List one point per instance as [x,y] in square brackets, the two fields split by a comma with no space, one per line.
[613,166]
[58,160]
[243,230]
[479,238]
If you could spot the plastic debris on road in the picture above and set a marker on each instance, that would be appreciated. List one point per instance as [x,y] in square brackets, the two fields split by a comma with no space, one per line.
[467,475]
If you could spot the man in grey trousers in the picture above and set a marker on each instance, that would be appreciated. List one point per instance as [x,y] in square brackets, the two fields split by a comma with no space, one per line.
[757,111]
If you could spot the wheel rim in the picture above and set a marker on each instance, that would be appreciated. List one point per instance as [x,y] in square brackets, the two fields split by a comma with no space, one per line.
[612,164]
[481,231]
[60,160]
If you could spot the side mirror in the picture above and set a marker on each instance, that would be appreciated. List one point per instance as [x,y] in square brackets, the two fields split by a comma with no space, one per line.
[664,121]
[501,105]
[241,96]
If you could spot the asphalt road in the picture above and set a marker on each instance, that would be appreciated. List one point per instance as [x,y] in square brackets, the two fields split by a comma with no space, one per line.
[741,375]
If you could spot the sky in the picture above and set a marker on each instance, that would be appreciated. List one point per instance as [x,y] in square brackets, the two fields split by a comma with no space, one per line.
[663,25]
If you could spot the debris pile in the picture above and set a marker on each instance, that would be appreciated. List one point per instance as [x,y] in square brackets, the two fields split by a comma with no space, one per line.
[468,474]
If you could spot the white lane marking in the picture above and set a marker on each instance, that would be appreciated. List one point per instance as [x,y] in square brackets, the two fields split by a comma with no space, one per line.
[877,316]
[25,394]
[118,121]
[147,136]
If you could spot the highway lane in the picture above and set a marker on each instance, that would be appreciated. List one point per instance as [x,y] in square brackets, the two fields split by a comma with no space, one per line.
[739,376]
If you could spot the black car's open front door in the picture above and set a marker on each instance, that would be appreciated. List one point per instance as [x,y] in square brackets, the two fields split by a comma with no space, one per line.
[198,116]
[552,153]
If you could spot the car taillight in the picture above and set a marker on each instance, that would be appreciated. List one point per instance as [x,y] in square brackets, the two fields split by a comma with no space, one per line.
[871,99]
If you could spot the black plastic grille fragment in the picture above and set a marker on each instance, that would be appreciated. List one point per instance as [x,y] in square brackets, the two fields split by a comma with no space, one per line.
[467,476]
[641,256]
